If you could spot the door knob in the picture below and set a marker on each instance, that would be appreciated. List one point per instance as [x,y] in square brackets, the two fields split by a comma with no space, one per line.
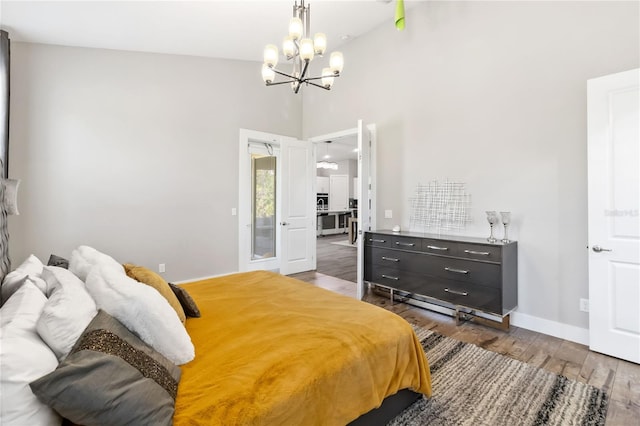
[284,223]
[598,249]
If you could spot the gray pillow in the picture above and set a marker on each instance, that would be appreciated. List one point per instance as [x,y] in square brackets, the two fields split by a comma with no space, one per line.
[186,301]
[109,363]
[55,260]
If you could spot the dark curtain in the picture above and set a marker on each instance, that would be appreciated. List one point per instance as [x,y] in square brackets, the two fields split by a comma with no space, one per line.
[4,103]
[5,263]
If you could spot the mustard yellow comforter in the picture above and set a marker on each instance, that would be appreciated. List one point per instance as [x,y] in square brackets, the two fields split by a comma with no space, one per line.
[272,350]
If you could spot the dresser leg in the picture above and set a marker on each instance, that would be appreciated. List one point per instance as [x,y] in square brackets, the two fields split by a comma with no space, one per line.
[500,325]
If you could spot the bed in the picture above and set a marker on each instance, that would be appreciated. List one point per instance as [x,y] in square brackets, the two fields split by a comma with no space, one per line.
[269,350]
[274,350]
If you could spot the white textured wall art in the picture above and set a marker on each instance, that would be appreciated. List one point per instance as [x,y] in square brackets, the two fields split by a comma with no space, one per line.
[439,206]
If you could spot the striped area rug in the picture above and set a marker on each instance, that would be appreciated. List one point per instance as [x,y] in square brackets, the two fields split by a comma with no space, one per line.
[473,386]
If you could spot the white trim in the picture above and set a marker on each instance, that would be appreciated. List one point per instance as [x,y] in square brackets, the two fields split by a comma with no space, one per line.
[552,328]
[202,278]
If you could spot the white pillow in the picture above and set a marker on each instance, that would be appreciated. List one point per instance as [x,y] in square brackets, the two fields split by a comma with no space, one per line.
[67,313]
[31,267]
[24,358]
[143,310]
[84,258]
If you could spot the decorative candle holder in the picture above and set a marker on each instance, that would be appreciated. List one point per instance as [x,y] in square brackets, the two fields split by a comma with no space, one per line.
[506,220]
[492,218]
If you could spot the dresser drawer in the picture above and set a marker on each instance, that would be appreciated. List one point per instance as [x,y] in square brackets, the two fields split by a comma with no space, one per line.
[377,240]
[445,248]
[395,259]
[406,243]
[486,299]
[467,271]
[401,280]
[489,253]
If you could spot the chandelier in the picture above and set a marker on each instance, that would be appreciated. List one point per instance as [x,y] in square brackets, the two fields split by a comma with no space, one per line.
[300,49]
[324,164]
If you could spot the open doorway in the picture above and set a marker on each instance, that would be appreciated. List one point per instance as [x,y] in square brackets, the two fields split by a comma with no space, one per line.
[337,183]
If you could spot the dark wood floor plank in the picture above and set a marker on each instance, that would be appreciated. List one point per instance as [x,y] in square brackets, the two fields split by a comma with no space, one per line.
[626,385]
[598,370]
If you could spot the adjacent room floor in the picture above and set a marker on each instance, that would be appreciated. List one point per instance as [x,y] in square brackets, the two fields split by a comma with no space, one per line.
[621,379]
[336,257]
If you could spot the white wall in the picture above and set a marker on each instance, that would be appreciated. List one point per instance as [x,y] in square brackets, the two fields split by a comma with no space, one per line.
[135,154]
[492,94]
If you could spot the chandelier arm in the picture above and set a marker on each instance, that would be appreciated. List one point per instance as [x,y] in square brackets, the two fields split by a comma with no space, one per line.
[280,82]
[318,78]
[317,85]
[285,75]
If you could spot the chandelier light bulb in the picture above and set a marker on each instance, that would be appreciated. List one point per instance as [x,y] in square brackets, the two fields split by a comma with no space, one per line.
[271,55]
[327,77]
[336,62]
[306,49]
[320,43]
[288,47]
[295,28]
[268,74]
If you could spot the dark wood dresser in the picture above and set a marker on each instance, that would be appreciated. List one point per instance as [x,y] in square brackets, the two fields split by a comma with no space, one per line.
[463,274]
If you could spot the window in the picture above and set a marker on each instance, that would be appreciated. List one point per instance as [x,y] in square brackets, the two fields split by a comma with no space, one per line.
[263,200]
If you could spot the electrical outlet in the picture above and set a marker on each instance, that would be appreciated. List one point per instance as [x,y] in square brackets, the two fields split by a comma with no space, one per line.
[584,305]
[388,214]
[161,267]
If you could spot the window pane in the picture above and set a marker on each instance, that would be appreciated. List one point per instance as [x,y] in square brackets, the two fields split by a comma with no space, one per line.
[263,187]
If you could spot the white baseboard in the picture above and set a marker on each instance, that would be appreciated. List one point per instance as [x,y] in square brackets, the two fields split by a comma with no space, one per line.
[552,328]
[201,278]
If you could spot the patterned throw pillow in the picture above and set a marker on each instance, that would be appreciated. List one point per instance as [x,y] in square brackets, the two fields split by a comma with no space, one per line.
[108,364]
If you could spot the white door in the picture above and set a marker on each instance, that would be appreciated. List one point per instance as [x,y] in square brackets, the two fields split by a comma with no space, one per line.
[298,219]
[614,223]
[366,194]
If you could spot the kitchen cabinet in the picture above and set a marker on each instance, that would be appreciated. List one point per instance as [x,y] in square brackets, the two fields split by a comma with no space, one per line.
[339,192]
[322,184]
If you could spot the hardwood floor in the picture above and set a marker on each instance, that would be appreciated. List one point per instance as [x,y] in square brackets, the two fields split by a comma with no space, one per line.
[621,379]
[336,260]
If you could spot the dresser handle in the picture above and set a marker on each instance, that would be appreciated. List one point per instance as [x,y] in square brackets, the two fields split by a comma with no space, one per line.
[459,293]
[481,253]
[389,277]
[398,243]
[373,240]
[438,248]
[393,259]
[457,271]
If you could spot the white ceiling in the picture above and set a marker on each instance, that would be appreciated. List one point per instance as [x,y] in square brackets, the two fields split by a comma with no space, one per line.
[211,28]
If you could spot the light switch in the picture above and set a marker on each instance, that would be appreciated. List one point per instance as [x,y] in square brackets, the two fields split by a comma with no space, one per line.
[388,214]
[234,211]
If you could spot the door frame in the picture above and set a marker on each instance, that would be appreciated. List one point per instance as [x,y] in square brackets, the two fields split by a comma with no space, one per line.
[365,134]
